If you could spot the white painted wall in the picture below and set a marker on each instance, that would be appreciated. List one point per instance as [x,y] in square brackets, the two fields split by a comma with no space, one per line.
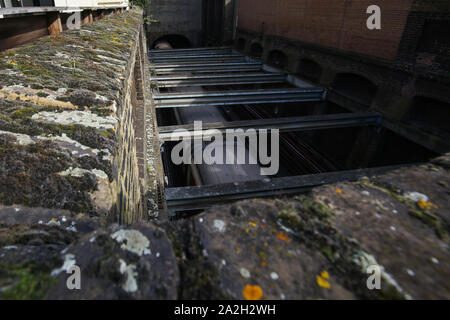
[90,3]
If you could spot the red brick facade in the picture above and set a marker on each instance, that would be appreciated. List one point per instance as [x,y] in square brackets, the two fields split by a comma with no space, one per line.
[331,23]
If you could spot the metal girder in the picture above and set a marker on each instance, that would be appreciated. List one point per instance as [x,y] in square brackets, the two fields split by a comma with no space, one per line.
[206,50]
[222,79]
[192,53]
[202,197]
[179,100]
[196,56]
[203,65]
[206,68]
[200,59]
[289,124]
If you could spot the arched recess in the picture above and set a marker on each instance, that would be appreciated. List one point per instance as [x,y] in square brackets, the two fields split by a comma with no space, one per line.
[430,114]
[355,87]
[309,69]
[241,44]
[278,59]
[256,50]
[175,41]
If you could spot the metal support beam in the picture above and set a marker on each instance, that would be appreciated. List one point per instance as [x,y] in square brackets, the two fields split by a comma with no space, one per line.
[290,124]
[186,51]
[202,197]
[177,100]
[223,79]
[206,68]
[188,60]
[196,56]
[203,65]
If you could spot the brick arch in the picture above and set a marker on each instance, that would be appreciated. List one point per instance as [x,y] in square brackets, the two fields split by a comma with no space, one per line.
[429,113]
[256,49]
[309,69]
[278,58]
[355,86]
[176,41]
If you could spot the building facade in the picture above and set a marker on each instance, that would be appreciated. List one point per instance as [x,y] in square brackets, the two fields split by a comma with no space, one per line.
[400,70]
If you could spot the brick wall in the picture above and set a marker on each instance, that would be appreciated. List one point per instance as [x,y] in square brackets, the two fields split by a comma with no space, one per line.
[332,23]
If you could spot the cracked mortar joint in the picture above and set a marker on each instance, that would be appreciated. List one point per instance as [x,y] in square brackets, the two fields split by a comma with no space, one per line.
[133,241]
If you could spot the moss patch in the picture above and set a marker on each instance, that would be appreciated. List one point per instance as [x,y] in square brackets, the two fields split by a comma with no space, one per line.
[26,281]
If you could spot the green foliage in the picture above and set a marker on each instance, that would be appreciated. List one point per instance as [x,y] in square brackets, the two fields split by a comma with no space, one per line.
[28,282]
[141,3]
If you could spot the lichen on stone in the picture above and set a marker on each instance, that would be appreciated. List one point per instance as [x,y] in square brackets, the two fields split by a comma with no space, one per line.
[133,241]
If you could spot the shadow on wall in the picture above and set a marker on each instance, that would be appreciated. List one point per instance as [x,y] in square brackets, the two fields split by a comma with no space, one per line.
[310,70]
[355,87]
[256,50]
[430,114]
[277,59]
[241,44]
[174,41]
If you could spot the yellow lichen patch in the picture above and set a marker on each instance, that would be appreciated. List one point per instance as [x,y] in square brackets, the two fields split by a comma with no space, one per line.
[252,224]
[424,205]
[6,94]
[252,292]
[283,237]
[338,191]
[322,280]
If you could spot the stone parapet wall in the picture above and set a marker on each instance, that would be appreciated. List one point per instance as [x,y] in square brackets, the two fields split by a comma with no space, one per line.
[70,105]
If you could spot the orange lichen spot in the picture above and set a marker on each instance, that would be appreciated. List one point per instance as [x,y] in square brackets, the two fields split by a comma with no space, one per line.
[263,264]
[283,236]
[322,280]
[424,205]
[339,191]
[252,292]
